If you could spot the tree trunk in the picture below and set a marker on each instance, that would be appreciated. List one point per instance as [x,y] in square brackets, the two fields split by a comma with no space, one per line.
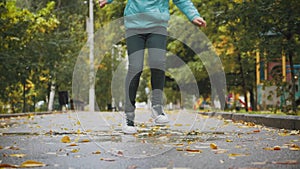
[243,81]
[292,93]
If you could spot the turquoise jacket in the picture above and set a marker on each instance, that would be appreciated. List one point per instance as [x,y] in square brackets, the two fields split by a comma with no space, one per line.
[153,13]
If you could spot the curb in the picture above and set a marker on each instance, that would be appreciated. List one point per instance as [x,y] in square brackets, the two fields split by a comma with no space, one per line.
[282,122]
[29,114]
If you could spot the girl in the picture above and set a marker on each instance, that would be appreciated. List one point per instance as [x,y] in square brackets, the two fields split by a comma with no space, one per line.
[146,24]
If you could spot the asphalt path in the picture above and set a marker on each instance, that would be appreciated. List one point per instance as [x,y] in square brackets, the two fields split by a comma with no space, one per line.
[191,140]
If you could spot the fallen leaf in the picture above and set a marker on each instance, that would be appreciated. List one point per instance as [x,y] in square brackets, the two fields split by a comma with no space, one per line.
[294,132]
[294,147]
[107,159]
[73,144]
[238,146]
[85,141]
[8,166]
[132,167]
[13,148]
[227,140]
[259,163]
[213,146]
[285,162]
[221,151]
[193,150]
[78,122]
[237,155]
[120,153]
[32,163]
[177,124]
[66,139]
[256,131]
[75,150]
[276,148]
[96,152]
[179,149]
[272,148]
[17,155]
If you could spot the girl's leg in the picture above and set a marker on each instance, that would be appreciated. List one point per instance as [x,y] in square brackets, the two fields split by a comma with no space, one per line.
[156,44]
[135,48]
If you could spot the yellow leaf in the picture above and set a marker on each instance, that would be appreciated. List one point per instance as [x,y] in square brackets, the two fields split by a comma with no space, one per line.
[272,148]
[193,150]
[66,139]
[85,140]
[73,144]
[179,149]
[228,140]
[178,125]
[237,155]
[96,152]
[213,146]
[17,155]
[8,166]
[78,122]
[294,147]
[32,163]
[75,150]
[221,151]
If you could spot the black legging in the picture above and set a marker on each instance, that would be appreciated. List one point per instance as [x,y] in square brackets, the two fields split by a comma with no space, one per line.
[136,44]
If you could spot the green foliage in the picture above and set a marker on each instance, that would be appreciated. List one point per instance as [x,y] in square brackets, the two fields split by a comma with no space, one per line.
[40,42]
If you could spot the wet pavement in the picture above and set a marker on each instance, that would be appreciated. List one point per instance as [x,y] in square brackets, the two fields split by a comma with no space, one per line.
[190,140]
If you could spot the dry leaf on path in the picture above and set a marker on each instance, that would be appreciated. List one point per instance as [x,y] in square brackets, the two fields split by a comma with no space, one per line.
[72,145]
[193,150]
[132,167]
[294,147]
[66,139]
[75,150]
[85,141]
[107,159]
[213,146]
[237,155]
[220,151]
[96,152]
[17,155]
[259,163]
[272,148]
[285,162]
[32,163]
[8,166]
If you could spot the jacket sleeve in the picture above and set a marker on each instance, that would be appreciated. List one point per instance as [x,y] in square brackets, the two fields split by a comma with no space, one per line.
[109,1]
[187,8]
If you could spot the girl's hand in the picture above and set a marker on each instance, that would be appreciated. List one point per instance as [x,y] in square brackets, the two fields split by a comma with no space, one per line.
[102,3]
[199,21]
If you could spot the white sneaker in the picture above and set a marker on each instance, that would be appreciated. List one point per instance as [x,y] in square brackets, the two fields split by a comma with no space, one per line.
[128,125]
[159,116]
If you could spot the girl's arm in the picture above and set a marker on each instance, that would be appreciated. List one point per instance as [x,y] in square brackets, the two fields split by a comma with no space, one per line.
[189,10]
[102,3]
